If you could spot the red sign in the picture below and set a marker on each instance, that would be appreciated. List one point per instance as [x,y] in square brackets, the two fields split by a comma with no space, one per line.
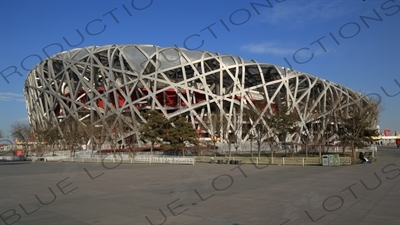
[19,152]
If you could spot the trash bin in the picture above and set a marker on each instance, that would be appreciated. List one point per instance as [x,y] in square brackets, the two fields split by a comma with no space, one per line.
[336,160]
[331,160]
[325,160]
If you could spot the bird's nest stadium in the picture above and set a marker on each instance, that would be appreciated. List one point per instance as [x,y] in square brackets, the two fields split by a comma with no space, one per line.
[120,81]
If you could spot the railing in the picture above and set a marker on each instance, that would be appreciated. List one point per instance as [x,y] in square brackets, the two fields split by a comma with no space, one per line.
[181,160]
[301,161]
[312,161]
[119,159]
[272,161]
[243,160]
[169,160]
[345,160]
[10,158]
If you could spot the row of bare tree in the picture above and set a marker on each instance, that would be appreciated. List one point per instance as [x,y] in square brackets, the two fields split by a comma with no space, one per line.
[75,133]
[253,124]
[351,129]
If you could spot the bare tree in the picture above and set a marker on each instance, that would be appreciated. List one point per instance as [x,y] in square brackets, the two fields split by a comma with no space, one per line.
[274,127]
[283,122]
[73,133]
[116,136]
[45,136]
[53,137]
[309,135]
[132,134]
[255,128]
[40,139]
[227,132]
[236,130]
[306,138]
[356,124]
[215,126]
[320,133]
[247,132]
[271,125]
[260,130]
[96,135]
[22,133]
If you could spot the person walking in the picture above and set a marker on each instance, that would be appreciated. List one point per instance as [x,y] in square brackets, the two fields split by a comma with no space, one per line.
[363,158]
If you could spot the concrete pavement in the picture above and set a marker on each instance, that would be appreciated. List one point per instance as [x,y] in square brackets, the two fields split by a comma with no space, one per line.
[85,193]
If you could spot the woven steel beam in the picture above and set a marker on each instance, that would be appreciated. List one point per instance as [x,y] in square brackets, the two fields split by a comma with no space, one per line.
[92,83]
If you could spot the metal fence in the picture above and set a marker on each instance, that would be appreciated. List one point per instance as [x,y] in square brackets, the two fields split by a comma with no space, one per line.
[119,159]
[301,161]
[312,161]
[270,161]
[147,159]
[9,158]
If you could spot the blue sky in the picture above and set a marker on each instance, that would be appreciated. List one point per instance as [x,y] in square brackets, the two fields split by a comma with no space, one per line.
[332,39]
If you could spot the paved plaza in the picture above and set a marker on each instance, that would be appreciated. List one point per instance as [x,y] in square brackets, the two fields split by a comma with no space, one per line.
[93,193]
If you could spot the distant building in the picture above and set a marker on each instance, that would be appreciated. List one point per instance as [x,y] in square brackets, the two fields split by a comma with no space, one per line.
[91,84]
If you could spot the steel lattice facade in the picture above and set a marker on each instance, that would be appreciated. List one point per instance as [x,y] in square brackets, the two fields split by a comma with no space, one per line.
[91,84]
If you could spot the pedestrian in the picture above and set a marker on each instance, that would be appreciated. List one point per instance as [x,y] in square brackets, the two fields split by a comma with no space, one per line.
[363,158]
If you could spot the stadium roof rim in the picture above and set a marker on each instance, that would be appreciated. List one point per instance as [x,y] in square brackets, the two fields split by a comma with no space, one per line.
[160,49]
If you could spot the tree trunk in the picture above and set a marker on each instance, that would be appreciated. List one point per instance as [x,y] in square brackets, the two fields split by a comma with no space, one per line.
[320,151]
[344,150]
[97,145]
[71,151]
[215,150]
[251,147]
[151,151]
[284,146]
[306,146]
[272,152]
[353,151]
[293,151]
[229,155]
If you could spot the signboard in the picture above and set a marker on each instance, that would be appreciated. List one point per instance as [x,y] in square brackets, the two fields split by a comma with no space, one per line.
[19,152]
